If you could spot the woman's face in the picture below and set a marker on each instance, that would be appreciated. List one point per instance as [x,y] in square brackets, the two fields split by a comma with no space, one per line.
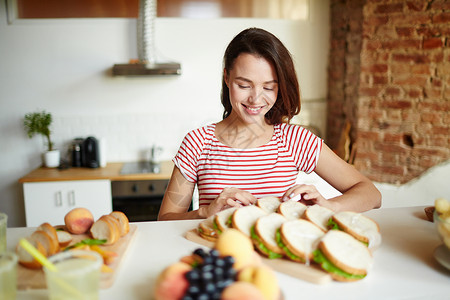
[253,86]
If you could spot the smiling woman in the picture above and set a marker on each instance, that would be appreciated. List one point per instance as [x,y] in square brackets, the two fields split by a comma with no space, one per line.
[286,9]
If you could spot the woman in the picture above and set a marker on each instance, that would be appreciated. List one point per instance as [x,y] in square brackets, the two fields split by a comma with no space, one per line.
[253,152]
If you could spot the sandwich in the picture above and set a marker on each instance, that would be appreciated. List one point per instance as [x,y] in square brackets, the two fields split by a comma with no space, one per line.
[357,225]
[291,210]
[298,239]
[245,217]
[343,256]
[263,235]
[268,204]
[222,219]
[206,229]
[319,216]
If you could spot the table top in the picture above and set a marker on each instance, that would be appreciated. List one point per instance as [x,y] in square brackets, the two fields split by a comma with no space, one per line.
[404,265]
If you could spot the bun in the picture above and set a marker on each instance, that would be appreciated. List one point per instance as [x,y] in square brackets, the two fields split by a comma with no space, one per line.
[319,216]
[51,231]
[106,228]
[301,238]
[25,258]
[50,244]
[268,204]
[292,210]
[221,220]
[64,238]
[346,253]
[265,229]
[206,229]
[360,227]
[124,224]
[245,217]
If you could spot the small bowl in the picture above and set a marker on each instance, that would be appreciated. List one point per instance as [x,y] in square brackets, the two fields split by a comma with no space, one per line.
[443,228]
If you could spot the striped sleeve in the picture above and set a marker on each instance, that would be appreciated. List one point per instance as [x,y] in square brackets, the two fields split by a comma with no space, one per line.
[305,147]
[189,152]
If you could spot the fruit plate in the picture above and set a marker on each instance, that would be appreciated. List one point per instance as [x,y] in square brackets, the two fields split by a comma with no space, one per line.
[291,268]
[442,255]
[35,279]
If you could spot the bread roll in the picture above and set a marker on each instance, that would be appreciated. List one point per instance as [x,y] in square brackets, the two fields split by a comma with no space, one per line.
[124,223]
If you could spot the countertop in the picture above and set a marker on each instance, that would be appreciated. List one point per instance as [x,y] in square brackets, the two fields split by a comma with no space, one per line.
[110,172]
[404,266]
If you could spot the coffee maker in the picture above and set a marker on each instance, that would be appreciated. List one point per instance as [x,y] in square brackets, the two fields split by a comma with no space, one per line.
[85,152]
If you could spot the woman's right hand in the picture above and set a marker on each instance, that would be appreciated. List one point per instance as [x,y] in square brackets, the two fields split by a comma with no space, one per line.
[229,197]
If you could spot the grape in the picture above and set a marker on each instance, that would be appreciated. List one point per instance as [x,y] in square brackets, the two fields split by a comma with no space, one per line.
[210,276]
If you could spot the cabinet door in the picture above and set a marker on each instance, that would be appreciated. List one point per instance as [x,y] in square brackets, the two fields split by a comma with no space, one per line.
[50,201]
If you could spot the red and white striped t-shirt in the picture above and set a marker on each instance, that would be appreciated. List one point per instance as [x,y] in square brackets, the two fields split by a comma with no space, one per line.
[268,170]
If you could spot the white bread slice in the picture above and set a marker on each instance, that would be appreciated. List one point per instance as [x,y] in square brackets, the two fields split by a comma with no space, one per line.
[64,238]
[245,217]
[51,231]
[106,228]
[25,258]
[221,218]
[124,223]
[206,229]
[50,244]
[359,226]
[266,228]
[346,253]
[292,210]
[319,216]
[268,204]
[301,238]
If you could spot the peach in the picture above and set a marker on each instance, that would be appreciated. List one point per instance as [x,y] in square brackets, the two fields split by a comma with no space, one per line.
[242,290]
[263,278]
[234,243]
[79,220]
[171,283]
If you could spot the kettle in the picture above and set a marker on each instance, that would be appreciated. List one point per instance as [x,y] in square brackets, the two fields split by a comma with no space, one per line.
[90,153]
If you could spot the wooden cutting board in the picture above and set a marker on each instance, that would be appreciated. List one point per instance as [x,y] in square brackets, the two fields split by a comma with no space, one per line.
[35,279]
[311,274]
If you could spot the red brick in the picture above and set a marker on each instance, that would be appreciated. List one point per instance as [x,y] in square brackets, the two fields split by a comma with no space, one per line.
[397,104]
[411,58]
[411,19]
[414,92]
[432,43]
[432,93]
[442,18]
[405,31]
[375,68]
[389,8]
[392,91]
[375,21]
[441,130]
[417,80]
[369,91]
[440,5]
[402,44]
[380,79]
[419,5]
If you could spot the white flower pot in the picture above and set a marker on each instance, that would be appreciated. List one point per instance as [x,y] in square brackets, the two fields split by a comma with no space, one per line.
[51,158]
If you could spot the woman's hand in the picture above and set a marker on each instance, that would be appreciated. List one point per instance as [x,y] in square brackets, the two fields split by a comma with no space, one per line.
[229,197]
[306,194]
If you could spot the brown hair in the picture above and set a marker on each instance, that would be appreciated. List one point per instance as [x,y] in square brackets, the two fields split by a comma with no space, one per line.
[262,43]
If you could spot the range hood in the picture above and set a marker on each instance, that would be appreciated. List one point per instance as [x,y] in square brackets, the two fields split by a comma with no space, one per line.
[147,63]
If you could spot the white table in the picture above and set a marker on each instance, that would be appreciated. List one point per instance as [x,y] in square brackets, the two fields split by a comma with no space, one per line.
[404,266]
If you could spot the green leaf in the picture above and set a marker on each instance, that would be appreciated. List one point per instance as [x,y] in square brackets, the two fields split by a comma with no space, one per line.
[328,266]
[89,242]
[285,249]
[262,247]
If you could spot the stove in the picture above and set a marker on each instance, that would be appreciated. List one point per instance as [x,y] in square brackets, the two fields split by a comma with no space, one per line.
[140,167]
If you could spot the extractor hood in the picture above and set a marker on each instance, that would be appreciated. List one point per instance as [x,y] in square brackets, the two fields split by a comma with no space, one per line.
[148,62]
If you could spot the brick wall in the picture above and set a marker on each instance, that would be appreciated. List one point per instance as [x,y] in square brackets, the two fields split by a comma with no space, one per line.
[389,75]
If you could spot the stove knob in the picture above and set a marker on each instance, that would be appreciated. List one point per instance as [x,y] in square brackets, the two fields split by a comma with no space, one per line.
[135,188]
[151,187]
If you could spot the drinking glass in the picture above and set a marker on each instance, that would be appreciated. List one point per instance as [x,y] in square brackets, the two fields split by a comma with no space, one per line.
[8,275]
[3,222]
[77,275]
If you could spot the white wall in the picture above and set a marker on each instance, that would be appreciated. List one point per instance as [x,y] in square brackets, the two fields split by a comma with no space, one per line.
[63,66]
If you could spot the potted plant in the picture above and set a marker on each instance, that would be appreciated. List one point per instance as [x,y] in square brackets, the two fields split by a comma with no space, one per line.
[39,123]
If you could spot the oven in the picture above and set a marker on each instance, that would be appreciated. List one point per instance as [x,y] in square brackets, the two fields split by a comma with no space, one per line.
[140,200]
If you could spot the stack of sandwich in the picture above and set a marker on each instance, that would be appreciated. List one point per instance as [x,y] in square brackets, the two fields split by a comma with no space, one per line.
[341,243]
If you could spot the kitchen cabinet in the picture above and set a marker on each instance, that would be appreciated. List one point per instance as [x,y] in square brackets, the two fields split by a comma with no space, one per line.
[50,201]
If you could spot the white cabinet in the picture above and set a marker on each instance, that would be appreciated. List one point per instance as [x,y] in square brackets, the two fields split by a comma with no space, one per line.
[50,201]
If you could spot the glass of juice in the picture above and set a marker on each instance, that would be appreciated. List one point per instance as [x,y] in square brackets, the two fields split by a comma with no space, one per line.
[77,275]
[8,275]
[3,222]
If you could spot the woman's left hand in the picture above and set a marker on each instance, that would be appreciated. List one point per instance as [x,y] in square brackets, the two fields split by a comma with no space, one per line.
[306,194]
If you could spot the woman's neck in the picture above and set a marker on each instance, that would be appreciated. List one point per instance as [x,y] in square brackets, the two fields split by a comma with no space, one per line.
[236,134]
